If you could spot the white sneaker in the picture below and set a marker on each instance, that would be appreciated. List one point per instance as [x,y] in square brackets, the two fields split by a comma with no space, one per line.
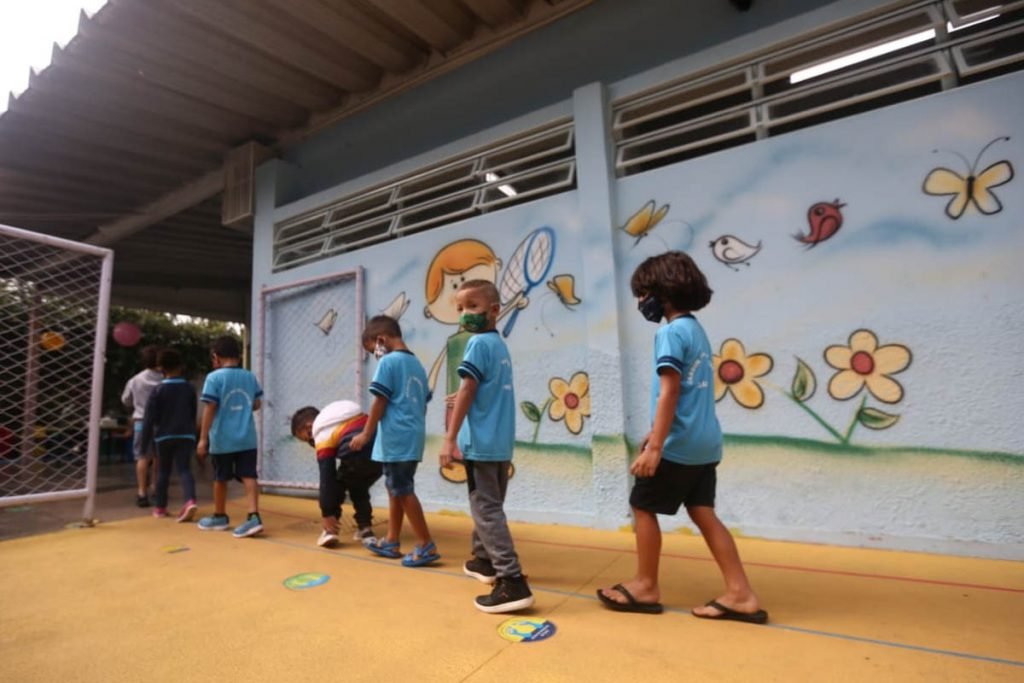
[327,539]
[364,536]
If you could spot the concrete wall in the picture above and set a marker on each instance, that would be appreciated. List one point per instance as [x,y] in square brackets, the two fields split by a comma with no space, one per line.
[918,453]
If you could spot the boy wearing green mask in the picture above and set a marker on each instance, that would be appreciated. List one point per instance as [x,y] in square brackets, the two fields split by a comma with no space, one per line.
[400,396]
[483,425]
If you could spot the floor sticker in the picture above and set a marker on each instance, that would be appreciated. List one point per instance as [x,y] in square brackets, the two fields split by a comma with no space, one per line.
[303,581]
[520,630]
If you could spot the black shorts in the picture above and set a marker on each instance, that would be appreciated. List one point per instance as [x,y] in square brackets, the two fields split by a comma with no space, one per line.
[228,466]
[673,485]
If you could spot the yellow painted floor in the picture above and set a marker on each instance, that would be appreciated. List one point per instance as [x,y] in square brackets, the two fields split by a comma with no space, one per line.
[111,604]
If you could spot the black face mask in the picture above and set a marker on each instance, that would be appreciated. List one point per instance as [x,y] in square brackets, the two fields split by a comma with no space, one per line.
[651,309]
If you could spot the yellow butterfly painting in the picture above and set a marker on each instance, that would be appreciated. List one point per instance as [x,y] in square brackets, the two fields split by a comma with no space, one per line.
[644,220]
[974,188]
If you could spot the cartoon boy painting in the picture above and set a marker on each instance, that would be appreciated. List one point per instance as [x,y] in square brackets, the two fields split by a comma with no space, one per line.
[456,263]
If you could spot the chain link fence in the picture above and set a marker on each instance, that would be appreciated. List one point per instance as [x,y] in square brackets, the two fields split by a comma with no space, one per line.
[54,301]
[310,354]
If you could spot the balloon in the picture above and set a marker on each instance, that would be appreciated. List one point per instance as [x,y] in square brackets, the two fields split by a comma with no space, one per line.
[127,334]
[51,341]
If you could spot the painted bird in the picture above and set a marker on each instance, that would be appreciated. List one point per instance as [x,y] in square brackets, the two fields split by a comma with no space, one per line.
[731,250]
[825,219]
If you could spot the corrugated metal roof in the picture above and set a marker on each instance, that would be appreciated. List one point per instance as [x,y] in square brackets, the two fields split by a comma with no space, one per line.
[121,140]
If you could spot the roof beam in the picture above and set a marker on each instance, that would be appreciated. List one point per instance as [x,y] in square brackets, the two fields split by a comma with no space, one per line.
[91,135]
[86,108]
[185,197]
[441,32]
[179,78]
[343,30]
[496,12]
[237,20]
[192,45]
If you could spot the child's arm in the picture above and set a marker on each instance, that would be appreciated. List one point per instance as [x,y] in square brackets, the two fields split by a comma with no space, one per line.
[209,412]
[664,413]
[377,409]
[463,400]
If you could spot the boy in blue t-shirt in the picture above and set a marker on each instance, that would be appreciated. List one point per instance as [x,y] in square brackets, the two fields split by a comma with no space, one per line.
[228,434]
[677,460]
[486,401]
[400,396]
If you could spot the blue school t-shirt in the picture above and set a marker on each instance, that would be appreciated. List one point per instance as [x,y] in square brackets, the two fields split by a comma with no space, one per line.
[233,390]
[488,433]
[695,437]
[401,380]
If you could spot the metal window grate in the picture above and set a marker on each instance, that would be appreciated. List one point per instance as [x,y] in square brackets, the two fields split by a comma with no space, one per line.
[530,166]
[922,48]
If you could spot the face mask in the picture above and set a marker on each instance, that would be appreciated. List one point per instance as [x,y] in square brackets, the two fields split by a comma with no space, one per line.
[379,351]
[651,309]
[473,322]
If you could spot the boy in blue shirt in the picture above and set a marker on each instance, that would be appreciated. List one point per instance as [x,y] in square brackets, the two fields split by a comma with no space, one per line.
[678,457]
[486,401]
[228,434]
[400,396]
[170,423]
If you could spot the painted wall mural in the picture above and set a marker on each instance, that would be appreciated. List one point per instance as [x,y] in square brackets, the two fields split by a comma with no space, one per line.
[860,327]
[973,190]
[879,299]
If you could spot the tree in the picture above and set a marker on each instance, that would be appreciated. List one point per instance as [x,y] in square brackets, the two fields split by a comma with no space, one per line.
[191,337]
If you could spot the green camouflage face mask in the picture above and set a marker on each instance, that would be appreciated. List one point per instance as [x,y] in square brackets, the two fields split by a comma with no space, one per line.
[473,322]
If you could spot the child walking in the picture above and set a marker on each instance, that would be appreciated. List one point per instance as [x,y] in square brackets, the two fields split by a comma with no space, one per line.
[343,469]
[135,396]
[483,425]
[677,462]
[170,422]
[228,434]
[400,396]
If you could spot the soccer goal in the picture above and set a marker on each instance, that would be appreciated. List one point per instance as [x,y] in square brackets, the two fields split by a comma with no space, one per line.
[54,307]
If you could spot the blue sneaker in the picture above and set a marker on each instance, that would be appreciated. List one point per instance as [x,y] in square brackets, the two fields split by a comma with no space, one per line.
[249,527]
[215,523]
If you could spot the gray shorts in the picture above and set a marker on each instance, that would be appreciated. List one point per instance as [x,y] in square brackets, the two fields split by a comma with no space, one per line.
[137,443]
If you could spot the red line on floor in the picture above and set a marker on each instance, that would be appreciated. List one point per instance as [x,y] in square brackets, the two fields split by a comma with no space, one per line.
[767,565]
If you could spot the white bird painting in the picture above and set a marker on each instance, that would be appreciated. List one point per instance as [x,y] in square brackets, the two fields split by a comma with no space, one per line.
[732,251]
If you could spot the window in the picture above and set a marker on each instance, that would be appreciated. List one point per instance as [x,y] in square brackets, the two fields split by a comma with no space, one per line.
[530,166]
[921,49]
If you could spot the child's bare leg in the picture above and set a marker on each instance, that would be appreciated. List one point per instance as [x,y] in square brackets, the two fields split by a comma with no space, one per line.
[644,586]
[252,494]
[220,497]
[414,513]
[738,593]
[395,517]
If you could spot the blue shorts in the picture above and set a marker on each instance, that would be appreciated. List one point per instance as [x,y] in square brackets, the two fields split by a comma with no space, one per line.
[137,443]
[399,476]
[238,465]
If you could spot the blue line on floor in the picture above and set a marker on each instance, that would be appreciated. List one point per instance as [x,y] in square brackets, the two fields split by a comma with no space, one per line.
[678,610]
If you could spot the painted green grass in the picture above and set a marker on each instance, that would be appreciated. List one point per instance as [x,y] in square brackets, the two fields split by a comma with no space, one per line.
[833,448]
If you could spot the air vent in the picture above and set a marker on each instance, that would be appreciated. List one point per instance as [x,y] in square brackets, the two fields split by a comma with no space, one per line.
[527,167]
[238,205]
[926,48]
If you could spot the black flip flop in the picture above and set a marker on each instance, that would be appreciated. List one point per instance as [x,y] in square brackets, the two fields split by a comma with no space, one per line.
[631,604]
[729,614]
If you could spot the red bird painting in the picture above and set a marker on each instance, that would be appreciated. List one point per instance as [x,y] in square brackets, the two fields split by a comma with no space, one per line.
[825,219]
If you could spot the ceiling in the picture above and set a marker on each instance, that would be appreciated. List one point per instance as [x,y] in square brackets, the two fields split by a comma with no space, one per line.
[120,142]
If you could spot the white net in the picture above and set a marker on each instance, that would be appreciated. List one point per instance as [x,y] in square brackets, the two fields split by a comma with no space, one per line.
[50,302]
[310,355]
